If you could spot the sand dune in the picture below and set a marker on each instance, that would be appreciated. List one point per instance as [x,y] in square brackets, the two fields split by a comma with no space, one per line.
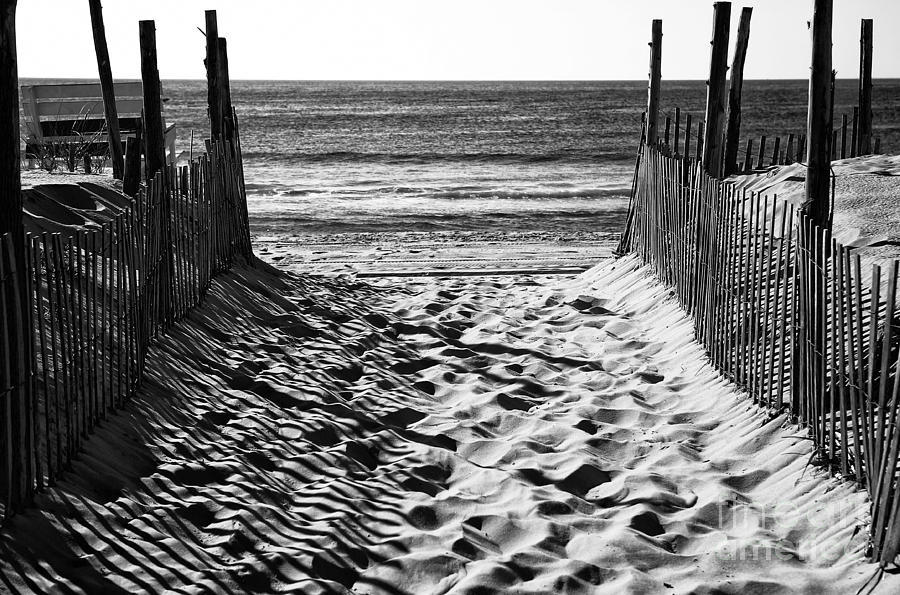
[865,201]
[461,435]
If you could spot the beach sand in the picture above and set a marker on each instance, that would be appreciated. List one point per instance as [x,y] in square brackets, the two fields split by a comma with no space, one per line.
[313,431]
[457,435]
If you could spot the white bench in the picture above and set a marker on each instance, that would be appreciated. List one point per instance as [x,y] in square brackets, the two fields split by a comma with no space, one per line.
[72,114]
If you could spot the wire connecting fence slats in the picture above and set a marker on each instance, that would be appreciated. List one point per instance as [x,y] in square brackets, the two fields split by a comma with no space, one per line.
[90,303]
[787,313]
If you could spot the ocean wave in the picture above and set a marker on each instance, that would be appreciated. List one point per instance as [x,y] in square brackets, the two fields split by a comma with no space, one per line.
[576,221]
[428,158]
[531,194]
[406,193]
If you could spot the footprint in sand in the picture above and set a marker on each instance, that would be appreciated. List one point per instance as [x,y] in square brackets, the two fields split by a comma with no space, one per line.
[196,474]
[424,518]
[362,454]
[218,418]
[590,305]
[579,482]
[647,523]
[402,418]
[587,426]
[324,436]
[511,403]
[199,514]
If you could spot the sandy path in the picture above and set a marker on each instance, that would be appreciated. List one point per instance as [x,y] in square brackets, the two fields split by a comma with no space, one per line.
[466,435]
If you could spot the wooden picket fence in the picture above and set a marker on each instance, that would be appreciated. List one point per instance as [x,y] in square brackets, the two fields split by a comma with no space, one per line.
[683,137]
[90,303]
[787,313]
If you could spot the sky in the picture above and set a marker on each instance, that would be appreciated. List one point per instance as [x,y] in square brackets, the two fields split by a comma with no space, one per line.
[444,39]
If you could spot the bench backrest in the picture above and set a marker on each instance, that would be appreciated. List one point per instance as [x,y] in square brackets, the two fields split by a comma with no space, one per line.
[57,110]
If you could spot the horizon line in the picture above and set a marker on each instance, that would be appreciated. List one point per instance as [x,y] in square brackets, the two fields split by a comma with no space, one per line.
[461,80]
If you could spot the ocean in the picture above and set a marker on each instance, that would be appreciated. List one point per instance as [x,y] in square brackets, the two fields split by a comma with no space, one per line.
[344,157]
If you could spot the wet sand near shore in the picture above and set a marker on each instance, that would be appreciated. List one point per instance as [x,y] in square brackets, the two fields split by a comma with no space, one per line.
[418,254]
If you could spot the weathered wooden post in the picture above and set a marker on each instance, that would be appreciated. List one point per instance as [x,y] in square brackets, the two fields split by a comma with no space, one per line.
[808,379]
[655,83]
[687,137]
[212,75]
[15,406]
[865,88]
[844,136]
[733,133]
[713,149]
[154,133]
[677,139]
[132,180]
[108,89]
[225,92]
[818,180]
[155,155]
[832,133]
[10,168]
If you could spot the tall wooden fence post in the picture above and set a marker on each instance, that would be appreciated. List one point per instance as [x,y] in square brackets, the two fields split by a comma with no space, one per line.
[154,134]
[713,150]
[16,405]
[225,92]
[818,156]
[154,141]
[655,82]
[807,385]
[865,88]
[733,132]
[109,93]
[212,75]
[132,179]
[832,133]
[10,168]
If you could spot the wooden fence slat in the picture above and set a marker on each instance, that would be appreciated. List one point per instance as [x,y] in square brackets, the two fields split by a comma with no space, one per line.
[52,429]
[848,359]
[94,363]
[890,497]
[887,461]
[64,258]
[770,328]
[37,298]
[839,355]
[762,153]
[7,421]
[20,418]
[844,136]
[887,335]
[860,368]
[105,348]
[875,453]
